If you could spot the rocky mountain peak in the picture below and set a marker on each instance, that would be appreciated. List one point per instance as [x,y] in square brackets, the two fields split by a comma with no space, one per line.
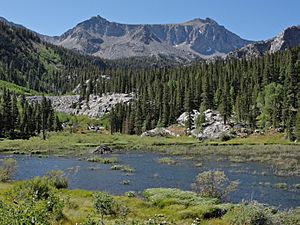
[189,40]
[288,38]
[201,22]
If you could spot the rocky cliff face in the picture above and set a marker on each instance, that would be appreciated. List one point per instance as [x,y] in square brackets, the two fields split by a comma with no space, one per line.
[288,38]
[192,39]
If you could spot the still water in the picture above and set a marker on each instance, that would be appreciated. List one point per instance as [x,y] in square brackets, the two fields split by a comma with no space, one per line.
[256,182]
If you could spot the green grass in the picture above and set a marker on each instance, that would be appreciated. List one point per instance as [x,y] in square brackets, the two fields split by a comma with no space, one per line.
[18,89]
[83,121]
[166,204]
[49,59]
[277,138]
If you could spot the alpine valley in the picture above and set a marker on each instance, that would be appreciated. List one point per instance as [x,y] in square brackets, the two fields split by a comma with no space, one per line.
[149,124]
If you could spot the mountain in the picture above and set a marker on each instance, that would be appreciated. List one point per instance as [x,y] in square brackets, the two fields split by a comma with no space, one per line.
[193,39]
[288,38]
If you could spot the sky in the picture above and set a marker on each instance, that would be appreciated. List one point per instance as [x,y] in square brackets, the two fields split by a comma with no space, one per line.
[250,19]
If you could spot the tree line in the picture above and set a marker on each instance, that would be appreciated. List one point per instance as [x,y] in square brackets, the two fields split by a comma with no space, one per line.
[20,118]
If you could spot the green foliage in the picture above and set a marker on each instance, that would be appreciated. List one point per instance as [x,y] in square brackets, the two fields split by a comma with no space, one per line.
[270,104]
[27,61]
[203,212]
[57,179]
[49,58]
[20,118]
[104,204]
[251,214]
[17,89]
[163,197]
[213,184]
[8,167]
[123,168]
[297,126]
[109,160]
[258,99]
[31,202]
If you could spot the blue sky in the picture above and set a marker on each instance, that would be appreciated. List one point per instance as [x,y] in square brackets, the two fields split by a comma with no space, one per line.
[250,19]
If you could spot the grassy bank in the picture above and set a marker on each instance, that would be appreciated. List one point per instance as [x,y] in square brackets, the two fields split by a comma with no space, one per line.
[158,206]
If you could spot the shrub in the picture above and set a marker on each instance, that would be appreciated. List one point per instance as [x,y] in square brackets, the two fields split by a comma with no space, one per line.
[252,214]
[289,217]
[104,204]
[32,202]
[213,184]
[203,212]
[130,194]
[8,167]
[163,197]
[225,137]
[57,178]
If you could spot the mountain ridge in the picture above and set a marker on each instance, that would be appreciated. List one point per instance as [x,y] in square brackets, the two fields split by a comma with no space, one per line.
[202,38]
[146,41]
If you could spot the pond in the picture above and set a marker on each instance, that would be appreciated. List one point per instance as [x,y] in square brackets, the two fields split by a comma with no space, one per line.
[256,182]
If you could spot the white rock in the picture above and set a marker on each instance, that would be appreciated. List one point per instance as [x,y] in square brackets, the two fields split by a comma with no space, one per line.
[163,132]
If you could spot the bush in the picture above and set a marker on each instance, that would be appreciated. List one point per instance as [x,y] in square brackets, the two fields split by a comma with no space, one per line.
[289,217]
[57,178]
[213,184]
[163,197]
[104,204]
[32,202]
[252,214]
[203,212]
[7,168]
[225,137]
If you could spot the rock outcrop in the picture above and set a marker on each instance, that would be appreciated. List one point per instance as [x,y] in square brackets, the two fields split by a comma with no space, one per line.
[96,107]
[214,127]
[182,119]
[161,132]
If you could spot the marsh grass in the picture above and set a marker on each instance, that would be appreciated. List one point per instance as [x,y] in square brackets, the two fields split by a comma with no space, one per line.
[109,160]
[167,161]
[281,185]
[272,150]
[123,168]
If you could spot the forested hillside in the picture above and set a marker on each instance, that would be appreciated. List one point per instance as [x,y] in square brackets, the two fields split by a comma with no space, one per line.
[262,92]
[27,61]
